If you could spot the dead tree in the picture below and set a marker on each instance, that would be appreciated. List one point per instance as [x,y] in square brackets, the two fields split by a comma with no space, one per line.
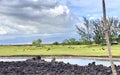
[107,38]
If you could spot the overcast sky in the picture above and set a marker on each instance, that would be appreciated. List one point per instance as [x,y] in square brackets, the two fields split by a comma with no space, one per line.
[22,21]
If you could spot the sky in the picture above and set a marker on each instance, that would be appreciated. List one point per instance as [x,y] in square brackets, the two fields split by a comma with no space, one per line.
[22,21]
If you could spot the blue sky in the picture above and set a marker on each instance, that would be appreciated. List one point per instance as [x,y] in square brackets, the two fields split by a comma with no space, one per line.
[22,21]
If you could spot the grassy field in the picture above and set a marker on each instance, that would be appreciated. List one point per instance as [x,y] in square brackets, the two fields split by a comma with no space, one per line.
[82,50]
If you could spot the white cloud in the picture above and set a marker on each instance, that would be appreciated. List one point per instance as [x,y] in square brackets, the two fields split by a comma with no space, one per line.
[47,17]
[2,31]
[34,16]
[59,10]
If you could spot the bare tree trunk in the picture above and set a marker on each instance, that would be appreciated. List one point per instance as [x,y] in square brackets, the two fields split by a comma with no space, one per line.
[107,39]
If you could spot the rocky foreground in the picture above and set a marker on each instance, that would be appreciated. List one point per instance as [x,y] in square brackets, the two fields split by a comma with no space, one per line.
[38,66]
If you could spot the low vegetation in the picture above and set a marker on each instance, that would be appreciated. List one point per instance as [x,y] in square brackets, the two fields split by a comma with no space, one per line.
[37,42]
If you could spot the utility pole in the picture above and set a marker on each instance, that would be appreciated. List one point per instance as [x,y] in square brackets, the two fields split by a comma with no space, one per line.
[107,38]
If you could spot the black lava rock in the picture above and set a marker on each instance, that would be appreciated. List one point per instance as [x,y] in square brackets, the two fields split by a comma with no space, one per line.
[53,68]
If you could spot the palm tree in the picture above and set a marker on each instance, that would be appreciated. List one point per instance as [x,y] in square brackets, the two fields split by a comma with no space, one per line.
[107,38]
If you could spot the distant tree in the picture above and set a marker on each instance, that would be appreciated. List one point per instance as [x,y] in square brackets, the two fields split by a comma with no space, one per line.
[86,42]
[98,31]
[85,30]
[118,39]
[34,43]
[94,30]
[114,28]
[65,42]
[77,43]
[37,42]
[72,41]
[55,43]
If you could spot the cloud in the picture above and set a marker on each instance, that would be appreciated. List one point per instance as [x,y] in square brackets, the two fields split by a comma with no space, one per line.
[2,31]
[93,7]
[59,10]
[49,16]
[53,19]
[34,16]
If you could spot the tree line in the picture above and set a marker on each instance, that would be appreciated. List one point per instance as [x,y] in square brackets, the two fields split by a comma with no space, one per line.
[72,41]
[94,32]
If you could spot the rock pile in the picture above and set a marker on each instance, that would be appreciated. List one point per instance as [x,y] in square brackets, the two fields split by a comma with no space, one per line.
[53,68]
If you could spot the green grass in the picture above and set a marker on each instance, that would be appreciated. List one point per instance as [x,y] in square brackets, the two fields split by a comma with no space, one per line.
[82,50]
